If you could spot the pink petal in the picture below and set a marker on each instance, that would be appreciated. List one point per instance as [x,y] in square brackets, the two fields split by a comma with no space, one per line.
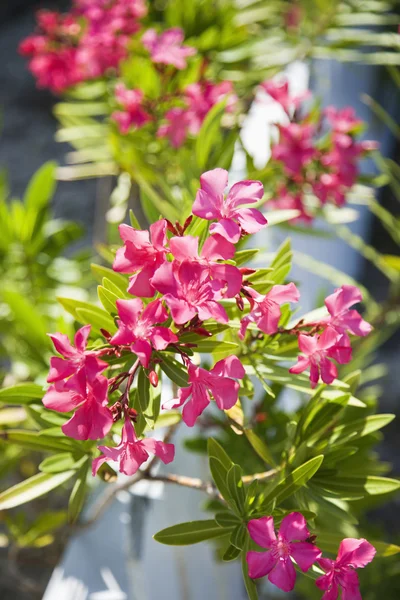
[251,219]
[357,553]
[142,349]
[328,338]
[165,452]
[96,464]
[351,593]
[90,422]
[141,284]
[124,336]
[213,310]
[61,401]
[308,344]
[158,234]
[206,207]
[244,323]
[132,458]
[229,367]
[63,345]
[259,563]
[216,247]
[190,272]
[214,182]
[184,247]
[225,392]
[284,293]
[161,337]
[314,375]
[355,324]
[283,575]
[229,275]
[130,310]
[60,369]
[343,298]
[195,406]
[181,311]
[227,228]
[245,192]
[294,527]
[305,554]
[302,364]
[81,337]
[262,531]
[164,280]
[329,371]
[155,312]
[328,583]
[271,313]
[183,395]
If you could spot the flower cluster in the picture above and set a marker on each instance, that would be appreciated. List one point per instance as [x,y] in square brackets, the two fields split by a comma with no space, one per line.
[332,340]
[82,44]
[181,284]
[318,154]
[190,107]
[293,541]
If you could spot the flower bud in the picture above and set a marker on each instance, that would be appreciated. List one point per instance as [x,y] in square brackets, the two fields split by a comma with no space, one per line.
[153,377]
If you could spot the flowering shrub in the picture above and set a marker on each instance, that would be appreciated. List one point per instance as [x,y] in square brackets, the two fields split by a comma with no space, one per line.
[179,291]
[316,158]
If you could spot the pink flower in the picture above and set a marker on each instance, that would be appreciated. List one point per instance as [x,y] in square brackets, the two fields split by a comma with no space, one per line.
[215,248]
[344,120]
[330,187]
[233,220]
[167,47]
[202,96]
[290,201]
[279,91]
[317,350]
[219,381]
[136,328]
[176,129]
[290,542]
[295,148]
[131,452]
[340,573]
[75,358]
[142,252]
[188,291]
[342,319]
[133,113]
[265,310]
[93,419]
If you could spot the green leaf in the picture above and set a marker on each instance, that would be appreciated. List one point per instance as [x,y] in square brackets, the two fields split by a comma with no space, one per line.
[97,318]
[32,488]
[216,347]
[117,279]
[231,553]
[108,299]
[357,428]
[219,474]
[294,481]
[259,447]
[21,393]
[227,519]
[39,442]
[245,256]
[238,536]
[37,197]
[174,370]
[209,133]
[352,487]
[235,486]
[78,494]
[251,587]
[61,462]
[189,533]
[143,388]
[215,450]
